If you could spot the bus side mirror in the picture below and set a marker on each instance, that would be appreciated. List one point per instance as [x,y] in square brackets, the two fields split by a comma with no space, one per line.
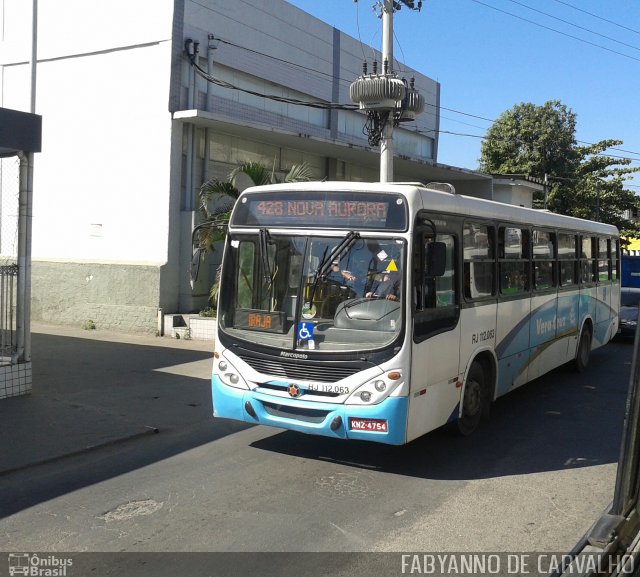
[196,258]
[436,259]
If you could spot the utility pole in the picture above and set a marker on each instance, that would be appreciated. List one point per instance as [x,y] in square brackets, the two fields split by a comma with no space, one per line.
[386,144]
[387,99]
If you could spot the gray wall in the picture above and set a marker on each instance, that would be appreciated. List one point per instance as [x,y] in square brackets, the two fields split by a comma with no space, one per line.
[113,296]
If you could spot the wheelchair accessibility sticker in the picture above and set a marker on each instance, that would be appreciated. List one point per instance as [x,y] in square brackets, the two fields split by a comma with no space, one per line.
[305,331]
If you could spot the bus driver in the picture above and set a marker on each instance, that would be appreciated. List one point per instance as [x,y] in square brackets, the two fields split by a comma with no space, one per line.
[388,287]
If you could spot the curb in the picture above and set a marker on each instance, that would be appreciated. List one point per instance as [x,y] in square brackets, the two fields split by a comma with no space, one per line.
[147,431]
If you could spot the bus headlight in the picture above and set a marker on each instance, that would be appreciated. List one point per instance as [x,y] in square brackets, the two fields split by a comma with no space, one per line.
[375,390]
[380,386]
[229,375]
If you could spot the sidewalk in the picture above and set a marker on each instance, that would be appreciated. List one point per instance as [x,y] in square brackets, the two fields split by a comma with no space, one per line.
[95,388]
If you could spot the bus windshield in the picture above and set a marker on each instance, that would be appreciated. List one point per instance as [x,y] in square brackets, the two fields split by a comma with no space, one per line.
[313,292]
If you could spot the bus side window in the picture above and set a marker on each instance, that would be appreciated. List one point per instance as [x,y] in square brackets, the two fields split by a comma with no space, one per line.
[604,264]
[514,265]
[588,260]
[437,298]
[478,255]
[544,254]
[444,287]
[615,263]
[567,258]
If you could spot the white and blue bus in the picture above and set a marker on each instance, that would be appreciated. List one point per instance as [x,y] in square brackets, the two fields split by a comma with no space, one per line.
[383,311]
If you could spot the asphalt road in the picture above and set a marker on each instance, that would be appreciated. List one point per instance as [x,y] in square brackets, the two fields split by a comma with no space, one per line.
[532,479]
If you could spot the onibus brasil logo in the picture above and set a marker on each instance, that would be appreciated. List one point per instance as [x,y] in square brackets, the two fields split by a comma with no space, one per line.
[35,565]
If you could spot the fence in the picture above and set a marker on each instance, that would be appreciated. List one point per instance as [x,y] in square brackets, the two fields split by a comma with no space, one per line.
[9,194]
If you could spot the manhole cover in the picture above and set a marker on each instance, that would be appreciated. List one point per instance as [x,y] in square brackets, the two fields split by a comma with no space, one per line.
[345,485]
[132,509]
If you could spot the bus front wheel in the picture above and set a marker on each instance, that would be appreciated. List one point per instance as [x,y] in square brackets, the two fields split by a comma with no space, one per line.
[474,402]
[584,350]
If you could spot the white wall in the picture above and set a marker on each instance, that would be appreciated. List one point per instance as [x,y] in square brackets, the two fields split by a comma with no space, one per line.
[513,194]
[101,189]
[68,27]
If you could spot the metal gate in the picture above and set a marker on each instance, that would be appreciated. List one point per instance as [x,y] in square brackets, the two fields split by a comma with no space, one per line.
[9,195]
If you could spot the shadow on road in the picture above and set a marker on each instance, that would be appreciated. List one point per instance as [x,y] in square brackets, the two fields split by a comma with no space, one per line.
[560,421]
[95,406]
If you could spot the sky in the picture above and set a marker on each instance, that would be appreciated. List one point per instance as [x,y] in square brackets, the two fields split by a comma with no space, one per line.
[489,55]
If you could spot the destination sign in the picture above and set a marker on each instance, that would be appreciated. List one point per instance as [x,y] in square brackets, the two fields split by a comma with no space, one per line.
[341,210]
[257,320]
[367,211]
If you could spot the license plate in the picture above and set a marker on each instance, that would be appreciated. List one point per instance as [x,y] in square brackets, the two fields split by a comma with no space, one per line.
[377,425]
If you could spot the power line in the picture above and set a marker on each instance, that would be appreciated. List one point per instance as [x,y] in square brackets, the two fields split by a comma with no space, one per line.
[364,56]
[460,112]
[574,25]
[556,31]
[325,105]
[344,81]
[480,137]
[599,17]
[287,62]
[458,121]
[285,100]
[612,148]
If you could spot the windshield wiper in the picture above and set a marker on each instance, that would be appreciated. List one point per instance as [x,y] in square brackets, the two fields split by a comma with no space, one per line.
[265,237]
[325,264]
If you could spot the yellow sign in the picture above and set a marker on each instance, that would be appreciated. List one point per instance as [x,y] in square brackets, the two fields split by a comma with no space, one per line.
[392,266]
[634,244]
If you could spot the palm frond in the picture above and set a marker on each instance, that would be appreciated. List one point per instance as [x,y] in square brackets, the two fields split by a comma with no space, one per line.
[212,230]
[215,186]
[217,205]
[257,172]
[299,173]
[217,197]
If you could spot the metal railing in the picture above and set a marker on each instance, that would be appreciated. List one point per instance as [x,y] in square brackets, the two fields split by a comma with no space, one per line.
[8,292]
[9,208]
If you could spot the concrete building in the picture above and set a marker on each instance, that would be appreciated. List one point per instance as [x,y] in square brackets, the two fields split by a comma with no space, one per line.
[131,131]
[516,189]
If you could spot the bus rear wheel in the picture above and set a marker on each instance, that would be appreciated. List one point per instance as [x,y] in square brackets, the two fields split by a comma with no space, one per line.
[474,403]
[584,350]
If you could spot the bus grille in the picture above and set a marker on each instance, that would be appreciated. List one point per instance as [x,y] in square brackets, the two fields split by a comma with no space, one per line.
[298,413]
[295,369]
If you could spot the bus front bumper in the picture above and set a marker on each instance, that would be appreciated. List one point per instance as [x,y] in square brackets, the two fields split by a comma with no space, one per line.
[326,419]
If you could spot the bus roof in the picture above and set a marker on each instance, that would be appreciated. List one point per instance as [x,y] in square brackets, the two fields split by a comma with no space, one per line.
[421,197]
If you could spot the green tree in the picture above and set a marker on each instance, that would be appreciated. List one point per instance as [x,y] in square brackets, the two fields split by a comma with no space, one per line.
[532,140]
[597,190]
[217,199]
[584,182]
